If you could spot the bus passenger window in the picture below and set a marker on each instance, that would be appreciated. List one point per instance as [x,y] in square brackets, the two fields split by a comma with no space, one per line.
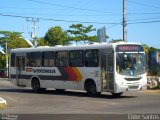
[76,58]
[62,58]
[48,59]
[91,58]
[35,59]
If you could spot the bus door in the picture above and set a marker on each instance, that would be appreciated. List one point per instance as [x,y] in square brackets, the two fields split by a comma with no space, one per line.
[20,70]
[107,68]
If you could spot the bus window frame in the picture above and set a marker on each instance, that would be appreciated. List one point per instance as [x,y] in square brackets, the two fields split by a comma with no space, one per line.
[61,62]
[48,58]
[80,59]
[30,61]
[88,63]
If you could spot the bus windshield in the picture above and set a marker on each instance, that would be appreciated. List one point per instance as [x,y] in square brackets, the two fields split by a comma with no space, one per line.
[131,63]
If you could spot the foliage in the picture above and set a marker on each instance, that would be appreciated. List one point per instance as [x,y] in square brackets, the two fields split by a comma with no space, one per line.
[146,48]
[2,60]
[56,36]
[18,43]
[78,32]
[13,40]
[41,42]
[116,40]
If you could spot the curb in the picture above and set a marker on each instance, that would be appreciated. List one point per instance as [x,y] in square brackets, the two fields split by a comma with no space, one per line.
[152,91]
[4,79]
[3,103]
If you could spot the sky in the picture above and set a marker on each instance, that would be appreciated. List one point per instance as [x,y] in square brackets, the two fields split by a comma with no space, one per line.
[143,17]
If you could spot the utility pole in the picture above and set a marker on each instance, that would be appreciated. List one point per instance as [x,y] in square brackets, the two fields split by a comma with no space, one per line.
[6,59]
[124,22]
[33,34]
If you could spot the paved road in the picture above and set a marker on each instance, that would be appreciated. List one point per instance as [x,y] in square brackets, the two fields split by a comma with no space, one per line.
[23,101]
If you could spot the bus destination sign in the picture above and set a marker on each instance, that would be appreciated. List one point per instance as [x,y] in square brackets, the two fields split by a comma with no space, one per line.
[129,48]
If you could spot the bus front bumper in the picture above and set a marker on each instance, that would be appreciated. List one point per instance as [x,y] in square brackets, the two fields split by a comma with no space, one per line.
[122,88]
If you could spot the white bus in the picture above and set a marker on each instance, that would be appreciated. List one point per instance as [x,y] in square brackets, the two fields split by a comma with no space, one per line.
[95,68]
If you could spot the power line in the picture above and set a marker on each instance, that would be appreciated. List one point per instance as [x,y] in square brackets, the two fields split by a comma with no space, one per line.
[154,21]
[31,8]
[49,9]
[75,8]
[113,26]
[49,19]
[46,14]
[144,19]
[107,13]
[142,4]
[44,8]
[155,13]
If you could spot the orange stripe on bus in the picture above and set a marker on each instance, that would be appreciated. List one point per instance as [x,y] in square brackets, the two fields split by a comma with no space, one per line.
[77,72]
[73,73]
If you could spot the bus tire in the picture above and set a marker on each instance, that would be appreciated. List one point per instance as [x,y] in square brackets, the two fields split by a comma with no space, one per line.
[60,90]
[42,89]
[91,88]
[117,94]
[36,85]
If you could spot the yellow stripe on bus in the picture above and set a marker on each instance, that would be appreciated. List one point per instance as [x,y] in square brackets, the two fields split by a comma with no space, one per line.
[79,76]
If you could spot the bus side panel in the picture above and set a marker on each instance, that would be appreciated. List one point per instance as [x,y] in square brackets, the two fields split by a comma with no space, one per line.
[12,75]
[75,80]
[94,74]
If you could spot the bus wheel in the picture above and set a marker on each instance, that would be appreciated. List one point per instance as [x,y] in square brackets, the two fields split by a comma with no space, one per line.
[60,90]
[42,89]
[117,94]
[91,89]
[36,85]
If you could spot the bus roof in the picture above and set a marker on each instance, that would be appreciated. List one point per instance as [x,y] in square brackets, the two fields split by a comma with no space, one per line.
[73,47]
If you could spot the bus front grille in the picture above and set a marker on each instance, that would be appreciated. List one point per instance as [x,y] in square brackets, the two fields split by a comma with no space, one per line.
[133,79]
[133,87]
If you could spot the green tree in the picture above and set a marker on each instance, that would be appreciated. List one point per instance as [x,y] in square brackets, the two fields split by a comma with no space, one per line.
[41,42]
[146,48]
[78,32]
[2,60]
[13,39]
[56,36]
[116,40]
